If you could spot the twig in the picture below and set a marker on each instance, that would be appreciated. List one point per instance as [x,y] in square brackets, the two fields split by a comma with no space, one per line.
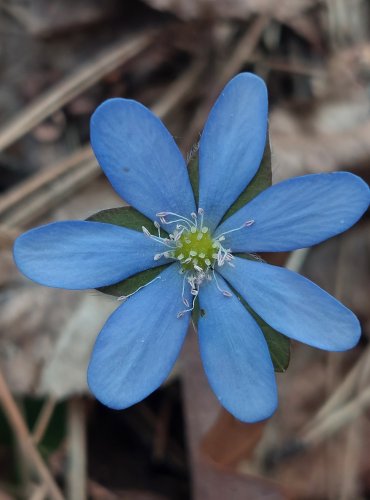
[43,177]
[71,86]
[76,476]
[296,259]
[20,430]
[295,67]
[43,419]
[337,420]
[244,48]
[7,237]
[54,193]
[179,89]
[324,429]
[20,14]
[353,447]
[240,55]
[40,493]
[344,391]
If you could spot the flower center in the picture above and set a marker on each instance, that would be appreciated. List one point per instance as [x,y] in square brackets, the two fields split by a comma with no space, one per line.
[192,245]
[195,248]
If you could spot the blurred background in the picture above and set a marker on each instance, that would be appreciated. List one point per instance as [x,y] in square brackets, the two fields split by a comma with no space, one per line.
[58,61]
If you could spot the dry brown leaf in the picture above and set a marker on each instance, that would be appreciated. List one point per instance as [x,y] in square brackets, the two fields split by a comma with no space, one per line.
[210,480]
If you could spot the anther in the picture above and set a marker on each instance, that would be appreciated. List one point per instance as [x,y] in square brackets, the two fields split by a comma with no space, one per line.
[249,223]
[226,293]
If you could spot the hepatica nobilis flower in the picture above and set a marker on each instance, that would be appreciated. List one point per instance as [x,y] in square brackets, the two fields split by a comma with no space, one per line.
[199,253]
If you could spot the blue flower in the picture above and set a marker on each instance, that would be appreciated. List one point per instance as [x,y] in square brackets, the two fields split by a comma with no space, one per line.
[141,340]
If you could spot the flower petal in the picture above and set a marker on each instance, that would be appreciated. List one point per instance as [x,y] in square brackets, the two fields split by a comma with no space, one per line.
[82,254]
[232,144]
[140,158]
[137,347]
[298,213]
[293,305]
[235,356]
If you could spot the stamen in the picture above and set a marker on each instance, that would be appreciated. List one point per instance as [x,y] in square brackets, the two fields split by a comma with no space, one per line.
[188,227]
[146,232]
[184,299]
[157,256]
[226,293]
[201,213]
[247,223]
[191,244]
[158,226]
[123,298]
[162,216]
[180,314]
[179,233]
[163,241]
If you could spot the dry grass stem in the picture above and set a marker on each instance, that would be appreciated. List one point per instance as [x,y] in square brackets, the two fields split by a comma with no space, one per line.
[20,430]
[77,461]
[337,420]
[43,419]
[72,86]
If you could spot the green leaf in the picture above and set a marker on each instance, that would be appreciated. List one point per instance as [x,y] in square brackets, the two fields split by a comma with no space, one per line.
[126,217]
[133,283]
[261,181]
[193,170]
[132,219]
[278,344]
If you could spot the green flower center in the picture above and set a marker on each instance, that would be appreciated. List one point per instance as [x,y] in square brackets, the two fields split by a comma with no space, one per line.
[196,248]
[191,244]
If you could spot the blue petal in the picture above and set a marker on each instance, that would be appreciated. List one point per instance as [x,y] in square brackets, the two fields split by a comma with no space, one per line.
[293,305]
[140,158]
[82,254]
[138,346]
[232,144]
[298,213]
[235,356]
